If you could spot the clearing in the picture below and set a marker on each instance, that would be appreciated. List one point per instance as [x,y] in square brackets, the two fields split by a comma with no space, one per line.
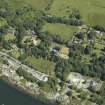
[41,65]
[64,31]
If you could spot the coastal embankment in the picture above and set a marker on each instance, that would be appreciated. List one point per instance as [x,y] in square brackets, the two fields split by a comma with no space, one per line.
[39,97]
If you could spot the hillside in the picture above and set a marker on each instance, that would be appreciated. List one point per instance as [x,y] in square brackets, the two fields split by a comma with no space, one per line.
[92,11]
[55,49]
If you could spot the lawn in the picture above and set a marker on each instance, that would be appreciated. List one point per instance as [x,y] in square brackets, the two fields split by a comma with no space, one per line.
[64,31]
[3,22]
[1,60]
[98,46]
[9,37]
[41,65]
[92,11]
[15,53]
[26,40]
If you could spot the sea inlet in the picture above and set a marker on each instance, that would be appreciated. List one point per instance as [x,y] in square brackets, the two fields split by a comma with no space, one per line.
[12,96]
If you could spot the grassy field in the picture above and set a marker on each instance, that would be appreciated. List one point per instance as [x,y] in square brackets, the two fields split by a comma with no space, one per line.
[3,22]
[41,64]
[38,4]
[9,37]
[15,53]
[92,11]
[66,32]
[1,60]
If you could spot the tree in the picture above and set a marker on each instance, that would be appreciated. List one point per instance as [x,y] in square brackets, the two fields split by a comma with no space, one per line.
[99,28]
[75,14]
[6,45]
[87,50]
[26,75]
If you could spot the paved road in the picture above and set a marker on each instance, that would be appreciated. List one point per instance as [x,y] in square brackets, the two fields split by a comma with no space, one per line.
[40,76]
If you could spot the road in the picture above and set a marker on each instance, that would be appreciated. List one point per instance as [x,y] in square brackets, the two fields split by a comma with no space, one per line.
[40,76]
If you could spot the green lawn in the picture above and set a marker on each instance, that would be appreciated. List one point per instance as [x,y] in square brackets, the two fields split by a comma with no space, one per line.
[92,11]
[99,46]
[15,53]
[47,88]
[41,64]
[1,60]
[26,40]
[3,22]
[65,31]
[9,37]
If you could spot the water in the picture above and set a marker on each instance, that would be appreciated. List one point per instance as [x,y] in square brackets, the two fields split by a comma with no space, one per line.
[11,96]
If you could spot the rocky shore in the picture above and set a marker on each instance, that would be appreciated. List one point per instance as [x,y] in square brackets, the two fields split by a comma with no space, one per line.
[40,97]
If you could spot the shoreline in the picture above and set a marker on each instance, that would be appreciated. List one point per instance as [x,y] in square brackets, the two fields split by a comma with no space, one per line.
[42,99]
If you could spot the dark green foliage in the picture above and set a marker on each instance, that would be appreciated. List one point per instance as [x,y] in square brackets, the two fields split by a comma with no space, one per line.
[63,69]
[6,45]
[75,14]
[71,21]
[97,99]
[49,86]
[26,75]
[99,28]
